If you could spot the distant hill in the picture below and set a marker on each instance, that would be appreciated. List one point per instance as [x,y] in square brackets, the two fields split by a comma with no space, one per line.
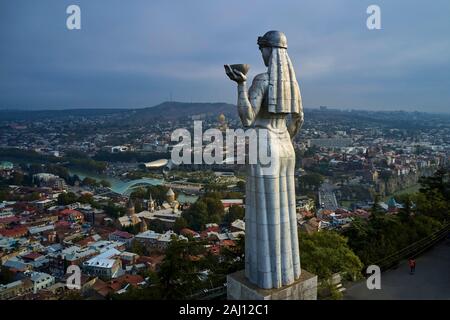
[185,111]
[18,115]
[165,110]
[180,110]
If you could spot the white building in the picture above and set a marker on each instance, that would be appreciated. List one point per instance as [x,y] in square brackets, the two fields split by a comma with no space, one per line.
[105,265]
[238,225]
[156,240]
[117,149]
[41,280]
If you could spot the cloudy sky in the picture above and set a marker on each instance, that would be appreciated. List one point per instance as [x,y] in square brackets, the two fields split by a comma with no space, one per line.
[138,53]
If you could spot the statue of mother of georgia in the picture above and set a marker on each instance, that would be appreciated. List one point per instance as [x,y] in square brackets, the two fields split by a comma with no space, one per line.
[272,257]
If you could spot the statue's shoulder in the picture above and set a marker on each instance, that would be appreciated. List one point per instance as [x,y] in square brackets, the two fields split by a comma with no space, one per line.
[261,80]
[262,77]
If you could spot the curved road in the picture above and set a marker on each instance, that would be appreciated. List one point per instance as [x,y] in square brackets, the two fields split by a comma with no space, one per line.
[430,282]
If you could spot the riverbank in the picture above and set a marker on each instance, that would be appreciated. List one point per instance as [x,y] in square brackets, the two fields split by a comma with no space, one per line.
[125,186]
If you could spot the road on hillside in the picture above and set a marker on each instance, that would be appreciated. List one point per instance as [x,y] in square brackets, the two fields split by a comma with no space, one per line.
[430,281]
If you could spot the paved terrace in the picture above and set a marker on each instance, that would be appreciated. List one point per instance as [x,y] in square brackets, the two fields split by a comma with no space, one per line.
[431,280]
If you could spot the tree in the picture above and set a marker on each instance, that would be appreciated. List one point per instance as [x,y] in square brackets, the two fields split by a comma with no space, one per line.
[234,213]
[326,252]
[138,248]
[157,226]
[312,151]
[197,215]
[404,213]
[6,276]
[72,179]
[434,196]
[384,235]
[439,181]
[208,209]
[67,198]
[113,211]
[34,196]
[215,208]
[311,181]
[376,212]
[180,223]
[105,183]
[233,258]
[139,193]
[385,175]
[133,229]
[241,185]
[138,207]
[90,182]
[72,295]
[179,273]
[86,198]
[17,178]
[3,194]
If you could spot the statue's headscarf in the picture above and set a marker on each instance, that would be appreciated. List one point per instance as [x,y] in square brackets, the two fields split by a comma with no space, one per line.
[284,93]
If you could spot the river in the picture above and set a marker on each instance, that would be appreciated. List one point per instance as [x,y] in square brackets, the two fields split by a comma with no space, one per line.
[122,186]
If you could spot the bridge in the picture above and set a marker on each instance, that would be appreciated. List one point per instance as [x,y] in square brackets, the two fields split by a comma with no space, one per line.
[128,187]
[327,198]
[189,188]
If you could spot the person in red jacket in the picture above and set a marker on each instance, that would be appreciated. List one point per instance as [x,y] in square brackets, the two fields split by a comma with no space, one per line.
[412,265]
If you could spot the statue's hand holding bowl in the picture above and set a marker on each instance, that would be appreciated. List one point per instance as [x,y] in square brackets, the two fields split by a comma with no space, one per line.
[237,72]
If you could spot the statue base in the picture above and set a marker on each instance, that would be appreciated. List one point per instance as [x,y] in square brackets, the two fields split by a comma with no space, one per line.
[239,288]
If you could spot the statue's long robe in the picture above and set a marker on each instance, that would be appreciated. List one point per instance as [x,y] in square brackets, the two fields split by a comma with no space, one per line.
[272,255]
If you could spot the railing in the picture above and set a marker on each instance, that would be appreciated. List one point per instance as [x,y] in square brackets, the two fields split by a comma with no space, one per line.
[210,294]
[386,263]
[413,249]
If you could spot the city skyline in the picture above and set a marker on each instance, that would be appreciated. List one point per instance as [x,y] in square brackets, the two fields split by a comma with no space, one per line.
[139,54]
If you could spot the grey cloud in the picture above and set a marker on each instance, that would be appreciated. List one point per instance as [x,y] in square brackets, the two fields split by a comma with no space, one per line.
[137,53]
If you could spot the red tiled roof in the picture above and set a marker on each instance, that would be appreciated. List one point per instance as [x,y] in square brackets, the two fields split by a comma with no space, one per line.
[84,242]
[212,229]
[32,256]
[327,212]
[152,261]
[187,231]
[9,220]
[214,249]
[101,287]
[122,281]
[67,212]
[14,232]
[62,224]
[228,243]
[307,213]
[123,234]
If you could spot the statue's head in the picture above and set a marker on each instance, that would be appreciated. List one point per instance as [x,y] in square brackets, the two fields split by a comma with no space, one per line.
[272,39]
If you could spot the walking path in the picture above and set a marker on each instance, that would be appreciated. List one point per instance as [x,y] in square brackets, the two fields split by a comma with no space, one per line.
[430,281]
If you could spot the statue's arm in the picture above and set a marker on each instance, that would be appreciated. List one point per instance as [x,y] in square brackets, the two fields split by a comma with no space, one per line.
[296,123]
[249,102]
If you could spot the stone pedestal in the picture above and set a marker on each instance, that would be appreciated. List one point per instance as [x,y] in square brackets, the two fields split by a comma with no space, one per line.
[239,288]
